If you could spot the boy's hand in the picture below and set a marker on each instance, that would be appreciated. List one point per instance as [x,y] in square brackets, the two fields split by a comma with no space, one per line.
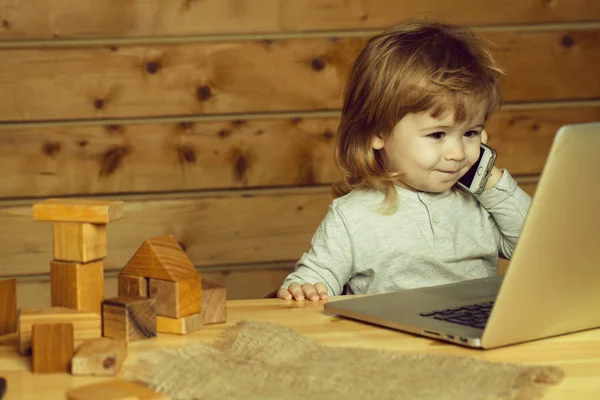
[315,292]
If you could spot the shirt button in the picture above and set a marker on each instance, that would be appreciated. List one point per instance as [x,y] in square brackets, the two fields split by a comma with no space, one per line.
[436,219]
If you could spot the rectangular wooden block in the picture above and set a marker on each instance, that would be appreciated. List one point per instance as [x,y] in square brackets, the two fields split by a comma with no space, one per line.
[85,325]
[176,299]
[79,241]
[117,389]
[214,302]
[101,357]
[8,306]
[129,285]
[180,326]
[79,286]
[129,318]
[78,210]
[52,346]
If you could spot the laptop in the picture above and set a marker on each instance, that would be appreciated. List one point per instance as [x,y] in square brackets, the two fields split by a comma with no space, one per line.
[552,285]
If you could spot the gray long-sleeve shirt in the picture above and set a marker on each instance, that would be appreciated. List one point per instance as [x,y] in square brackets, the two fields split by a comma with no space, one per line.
[432,239]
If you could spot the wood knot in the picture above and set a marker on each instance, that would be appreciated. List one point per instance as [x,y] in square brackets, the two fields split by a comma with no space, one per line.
[184,126]
[98,104]
[112,159]
[114,129]
[364,17]
[535,127]
[83,143]
[318,64]
[259,132]
[153,67]
[182,245]
[238,122]
[186,154]
[328,134]
[567,41]
[108,362]
[51,148]
[223,133]
[295,121]
[5,24]
[113,48]
[548,3]
[203,93]
[300,208]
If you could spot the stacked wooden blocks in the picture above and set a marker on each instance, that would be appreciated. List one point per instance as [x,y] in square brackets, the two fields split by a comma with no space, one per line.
[159,290]
[77,270]
[161,280]
[54,334]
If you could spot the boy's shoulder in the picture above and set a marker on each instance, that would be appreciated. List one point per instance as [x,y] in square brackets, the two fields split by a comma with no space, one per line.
[358,200]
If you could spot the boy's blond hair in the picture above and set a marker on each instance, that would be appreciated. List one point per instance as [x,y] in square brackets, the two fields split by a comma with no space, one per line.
[413,67]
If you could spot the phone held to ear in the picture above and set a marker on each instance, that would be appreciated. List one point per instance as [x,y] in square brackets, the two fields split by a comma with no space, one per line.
[475,179]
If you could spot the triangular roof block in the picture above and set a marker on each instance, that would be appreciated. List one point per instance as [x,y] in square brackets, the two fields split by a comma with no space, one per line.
[161,258]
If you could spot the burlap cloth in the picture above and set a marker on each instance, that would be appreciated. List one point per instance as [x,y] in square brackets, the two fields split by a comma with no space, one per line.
[259,360]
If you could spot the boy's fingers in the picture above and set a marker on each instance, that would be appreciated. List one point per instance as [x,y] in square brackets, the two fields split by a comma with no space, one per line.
[310,292]
[285,294]
[321,290]
[296,291]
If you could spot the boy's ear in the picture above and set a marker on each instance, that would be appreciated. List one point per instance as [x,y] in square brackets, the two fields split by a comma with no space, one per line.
[377,142]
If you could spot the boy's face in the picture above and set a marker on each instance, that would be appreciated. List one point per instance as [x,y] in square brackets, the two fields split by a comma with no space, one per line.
[431,154]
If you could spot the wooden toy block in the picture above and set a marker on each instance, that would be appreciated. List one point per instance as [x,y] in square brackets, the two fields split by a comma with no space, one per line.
[214,303]
[79,241]
[99,357]
[180,326]
[161,258]
[85,325]
[132,285]
[117,389]
[52,347]
[129,318]
[176,299]
[77,286]
[78,210]
[8,306]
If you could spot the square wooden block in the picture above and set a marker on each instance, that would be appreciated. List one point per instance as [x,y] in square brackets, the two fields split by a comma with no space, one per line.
[129,285]
[176,299]
[214,302]
[85,325]
[8,306]
[129,318]
[99,357]
[79,241]
[79,286]
[52,347]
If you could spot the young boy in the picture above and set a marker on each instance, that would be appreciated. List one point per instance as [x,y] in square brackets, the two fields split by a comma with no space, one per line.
[413,118]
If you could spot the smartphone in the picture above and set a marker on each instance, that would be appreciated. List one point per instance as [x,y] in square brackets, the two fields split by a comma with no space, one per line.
[475,179]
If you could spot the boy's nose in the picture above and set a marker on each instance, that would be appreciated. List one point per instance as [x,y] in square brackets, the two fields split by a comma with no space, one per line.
[455,151]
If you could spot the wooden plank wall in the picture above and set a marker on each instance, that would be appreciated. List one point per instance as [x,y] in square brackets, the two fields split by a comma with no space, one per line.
[213,120]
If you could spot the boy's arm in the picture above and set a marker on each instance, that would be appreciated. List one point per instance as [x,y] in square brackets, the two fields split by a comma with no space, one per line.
[508,204]
[329,258]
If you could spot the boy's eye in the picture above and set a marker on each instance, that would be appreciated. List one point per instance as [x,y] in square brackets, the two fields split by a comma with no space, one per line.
[437,135]
[471,133]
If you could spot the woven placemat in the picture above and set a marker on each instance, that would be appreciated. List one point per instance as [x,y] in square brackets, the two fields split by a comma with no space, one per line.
[260,360]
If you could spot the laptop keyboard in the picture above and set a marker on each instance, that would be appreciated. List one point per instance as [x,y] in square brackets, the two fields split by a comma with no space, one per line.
[474,315]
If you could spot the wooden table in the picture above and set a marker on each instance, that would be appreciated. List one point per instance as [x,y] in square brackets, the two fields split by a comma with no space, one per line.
[578,354]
